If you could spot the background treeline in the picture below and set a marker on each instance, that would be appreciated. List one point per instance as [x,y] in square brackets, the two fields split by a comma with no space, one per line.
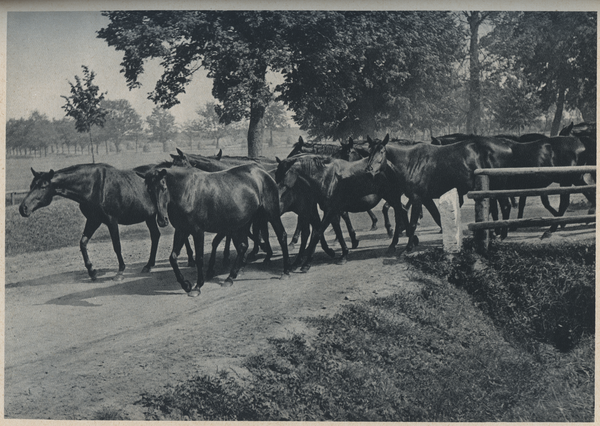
[412,74]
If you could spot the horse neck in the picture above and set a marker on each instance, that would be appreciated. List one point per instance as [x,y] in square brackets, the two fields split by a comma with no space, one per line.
[78,184]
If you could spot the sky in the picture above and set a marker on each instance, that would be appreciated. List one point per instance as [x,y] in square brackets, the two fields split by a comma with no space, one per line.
[45,50]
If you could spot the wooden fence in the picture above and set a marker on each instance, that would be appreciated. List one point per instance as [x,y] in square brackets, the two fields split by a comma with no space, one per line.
[483,193]
[13,197]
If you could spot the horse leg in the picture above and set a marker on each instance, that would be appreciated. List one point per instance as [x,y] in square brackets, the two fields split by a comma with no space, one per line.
[505,207]
[226,251]
[401,218]
[433,211]
[264,231]
[154,237]
[178,242]
[415,212]
[277,225]
[386,218]
[546,203]
[210,273]
[113,229]
[305,232]
[335,223]
[494,213]
[315,237]
[295,236]
[565,200]
[373,220]
[190,253]
[91,225]
[240,241]
[351,231]
[199,246]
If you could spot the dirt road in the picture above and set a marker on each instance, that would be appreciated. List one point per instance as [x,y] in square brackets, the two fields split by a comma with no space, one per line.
[74,347]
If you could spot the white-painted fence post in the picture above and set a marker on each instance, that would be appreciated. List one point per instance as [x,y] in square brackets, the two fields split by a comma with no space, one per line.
[451,225]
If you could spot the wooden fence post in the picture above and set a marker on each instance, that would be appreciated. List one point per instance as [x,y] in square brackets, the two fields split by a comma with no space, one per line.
[482,209]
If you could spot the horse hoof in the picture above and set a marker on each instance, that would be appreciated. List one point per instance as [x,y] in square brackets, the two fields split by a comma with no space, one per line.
[390,232]
[291,246]
[146,269]
[374,228]
[415,241]
[391,249]
[267,260]
[191,264]
[305,269]
[285,276]
[93,274]
[227,283]
[186,286]
[545,235]
[251,257]
[194,293]
[118,277]
[355,244]
[341,261]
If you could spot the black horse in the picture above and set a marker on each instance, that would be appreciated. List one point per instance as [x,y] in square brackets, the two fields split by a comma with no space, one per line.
[350,152]
[224,202]
[340,186]
[428,171]
[106,195]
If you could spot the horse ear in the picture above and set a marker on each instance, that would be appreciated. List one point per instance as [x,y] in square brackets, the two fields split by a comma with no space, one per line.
[179,152]
[277,159]
[50,174]
[350,142]
[142,175]
[220,154]
[300,141]
[174,157]
[370,141]
[386,139]
[35,174]
[435,141]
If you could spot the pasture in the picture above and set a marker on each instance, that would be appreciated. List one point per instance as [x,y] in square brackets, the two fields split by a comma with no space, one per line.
[77,349]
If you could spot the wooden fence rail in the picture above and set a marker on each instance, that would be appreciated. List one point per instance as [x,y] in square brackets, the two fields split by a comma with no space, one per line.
[13,195]
[482,194]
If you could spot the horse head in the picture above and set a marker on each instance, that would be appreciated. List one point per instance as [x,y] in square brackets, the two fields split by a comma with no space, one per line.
[377,156]
[156,183]
[40,193]
[181,159]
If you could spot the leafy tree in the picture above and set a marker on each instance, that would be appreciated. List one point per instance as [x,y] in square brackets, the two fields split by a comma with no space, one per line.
[190,130]
[355,73]
[556,52]
[84,104]
[517,105]
[67,133]
[209,123]
[275,118]
[42,134]
[162,126]
[121,121]
[17,131]
[237,49]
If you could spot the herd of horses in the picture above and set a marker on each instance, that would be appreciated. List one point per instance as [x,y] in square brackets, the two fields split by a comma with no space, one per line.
[237,197]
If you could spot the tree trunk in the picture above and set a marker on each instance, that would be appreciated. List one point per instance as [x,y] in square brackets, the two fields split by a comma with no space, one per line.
[270,137]
[474,114]
[257,112]
[92,145]
[560,105]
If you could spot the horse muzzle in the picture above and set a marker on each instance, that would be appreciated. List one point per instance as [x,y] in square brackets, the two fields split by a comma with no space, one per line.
[163,221]
[24,210]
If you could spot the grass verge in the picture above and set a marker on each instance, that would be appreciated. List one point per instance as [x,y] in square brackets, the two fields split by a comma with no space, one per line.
[430,355]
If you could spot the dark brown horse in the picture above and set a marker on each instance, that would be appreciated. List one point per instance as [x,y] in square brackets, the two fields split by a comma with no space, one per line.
[349,152]
[428,171]
[339,186]
[106,195]
[224,202]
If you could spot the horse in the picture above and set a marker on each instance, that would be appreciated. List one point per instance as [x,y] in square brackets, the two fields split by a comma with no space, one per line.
[586,133]
[225,202]
[427,171]
[105,195]
[340,186]
[346,151]
[546,152]
[215,164]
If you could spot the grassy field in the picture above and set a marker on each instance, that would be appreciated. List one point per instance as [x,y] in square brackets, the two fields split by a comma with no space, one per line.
[480,346]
